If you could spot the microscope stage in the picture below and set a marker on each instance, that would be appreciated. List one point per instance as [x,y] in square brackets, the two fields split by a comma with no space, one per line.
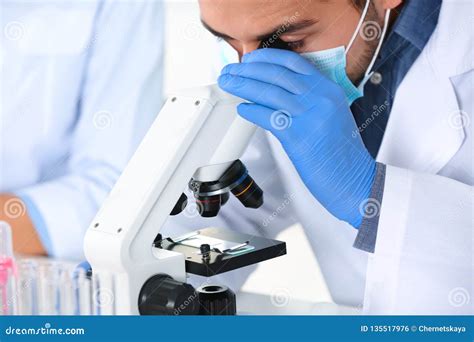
[229,250]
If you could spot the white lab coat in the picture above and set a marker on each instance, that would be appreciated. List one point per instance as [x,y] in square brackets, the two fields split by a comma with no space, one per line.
[81,82]
[423,260]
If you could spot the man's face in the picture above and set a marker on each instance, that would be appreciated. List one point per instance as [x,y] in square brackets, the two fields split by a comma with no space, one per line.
[299,25]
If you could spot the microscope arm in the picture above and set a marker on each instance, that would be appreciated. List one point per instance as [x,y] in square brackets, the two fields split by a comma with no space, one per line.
[198,135]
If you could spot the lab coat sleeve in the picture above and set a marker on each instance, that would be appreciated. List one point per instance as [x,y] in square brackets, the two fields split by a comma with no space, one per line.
[120,97]
[367,232]
[423,254]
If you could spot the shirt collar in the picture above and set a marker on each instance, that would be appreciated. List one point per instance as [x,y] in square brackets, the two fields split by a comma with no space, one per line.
[417,21]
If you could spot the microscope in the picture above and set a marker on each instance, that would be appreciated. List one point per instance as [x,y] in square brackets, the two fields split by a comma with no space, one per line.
[195,141]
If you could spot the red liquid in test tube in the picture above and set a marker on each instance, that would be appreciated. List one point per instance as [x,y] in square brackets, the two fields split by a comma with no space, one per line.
[7,271]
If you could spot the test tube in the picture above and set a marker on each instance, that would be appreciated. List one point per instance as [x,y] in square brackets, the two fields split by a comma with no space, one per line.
[62,290]
[8,294]
[103,293]
[67,291]
[48,289]
[83,286]
[27,287]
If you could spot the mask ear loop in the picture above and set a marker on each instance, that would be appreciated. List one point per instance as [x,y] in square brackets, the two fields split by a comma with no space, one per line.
[369,72]
[359,25]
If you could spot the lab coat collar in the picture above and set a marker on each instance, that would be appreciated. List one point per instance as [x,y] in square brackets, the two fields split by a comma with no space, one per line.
[425,127]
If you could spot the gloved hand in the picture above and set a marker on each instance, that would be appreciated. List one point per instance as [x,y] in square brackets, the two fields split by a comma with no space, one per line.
[309,115]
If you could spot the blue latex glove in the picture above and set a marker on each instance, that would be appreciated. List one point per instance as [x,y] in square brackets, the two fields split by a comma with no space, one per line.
[309,115]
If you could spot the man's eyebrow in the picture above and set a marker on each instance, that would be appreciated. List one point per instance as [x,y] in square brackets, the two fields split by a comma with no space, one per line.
[287,28]
[214,32]
[280,30]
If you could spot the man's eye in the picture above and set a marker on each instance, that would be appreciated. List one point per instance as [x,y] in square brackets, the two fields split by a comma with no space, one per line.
[280,44]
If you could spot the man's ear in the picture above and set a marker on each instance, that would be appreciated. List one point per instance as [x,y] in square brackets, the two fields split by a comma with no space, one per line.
[391,4]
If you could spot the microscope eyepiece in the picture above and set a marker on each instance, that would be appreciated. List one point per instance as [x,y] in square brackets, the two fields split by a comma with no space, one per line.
[211,196]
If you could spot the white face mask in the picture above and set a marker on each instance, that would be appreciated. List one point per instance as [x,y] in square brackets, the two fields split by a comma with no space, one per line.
[332,62]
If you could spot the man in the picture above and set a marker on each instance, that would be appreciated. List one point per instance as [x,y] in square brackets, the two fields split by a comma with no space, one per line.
[383,159]
[80,85]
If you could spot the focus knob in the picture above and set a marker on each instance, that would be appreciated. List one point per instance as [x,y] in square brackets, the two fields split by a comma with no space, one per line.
[216,300]
[162,295]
